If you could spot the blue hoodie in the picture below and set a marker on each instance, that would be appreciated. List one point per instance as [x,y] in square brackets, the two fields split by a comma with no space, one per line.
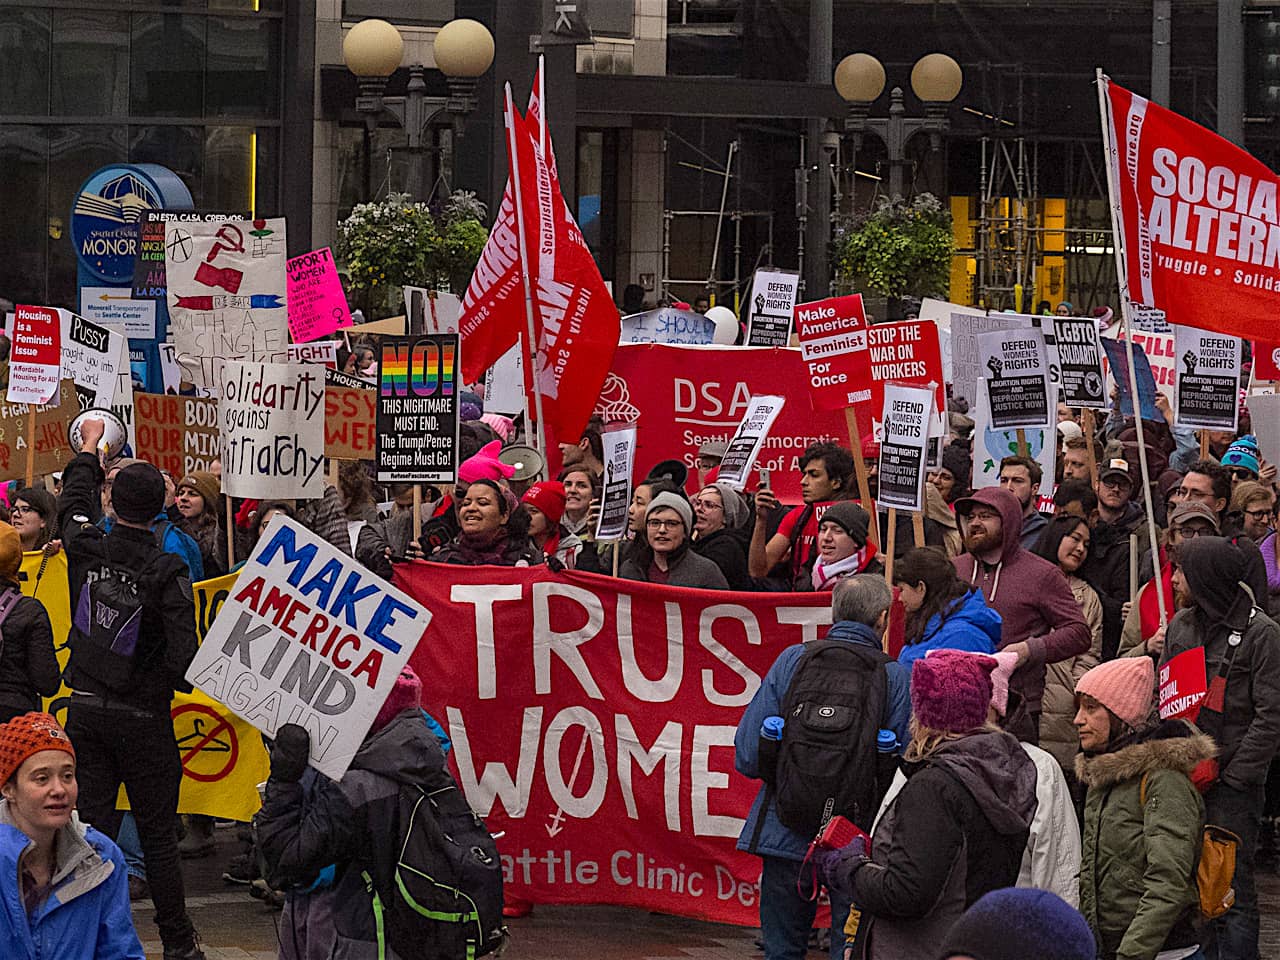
[969,625]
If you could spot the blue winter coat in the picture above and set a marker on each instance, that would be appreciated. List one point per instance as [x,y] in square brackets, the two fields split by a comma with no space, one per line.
[175,542]
[86,916]
[969,625]
[775,839]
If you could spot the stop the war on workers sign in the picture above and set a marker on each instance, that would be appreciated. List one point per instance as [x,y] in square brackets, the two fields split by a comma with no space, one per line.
[308,636]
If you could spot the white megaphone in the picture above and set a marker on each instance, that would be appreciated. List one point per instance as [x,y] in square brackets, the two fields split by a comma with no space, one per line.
[726,325]
[114,435]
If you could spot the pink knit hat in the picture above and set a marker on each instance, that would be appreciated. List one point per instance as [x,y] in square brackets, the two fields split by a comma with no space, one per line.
[1006,664]
[485,465]
[405,695]
[1125,686]
[951,690]
[502,426]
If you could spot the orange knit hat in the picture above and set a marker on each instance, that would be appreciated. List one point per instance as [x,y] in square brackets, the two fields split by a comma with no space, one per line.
[1125,686]
[25,736]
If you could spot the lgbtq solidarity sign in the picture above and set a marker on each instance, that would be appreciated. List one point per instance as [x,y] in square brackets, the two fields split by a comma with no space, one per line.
[593,722]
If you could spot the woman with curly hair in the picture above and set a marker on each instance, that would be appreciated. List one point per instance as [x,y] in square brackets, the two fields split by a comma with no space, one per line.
[495,530]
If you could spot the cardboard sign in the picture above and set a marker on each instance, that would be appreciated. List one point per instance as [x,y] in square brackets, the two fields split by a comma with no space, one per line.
[907,353]
[272,420]
[744,447]
[906,417]
[349,417]
[93,357]
[35,358]
[1183,684]
[1118,364]
[53,449]
[1208,378]
[149,282]
[619,462]
[991,445]
[833,342]
[177,434]
[966,357]
[308,636]
[317,305]
[418,409]
[1018,385]
[1082,380]
[504,384]
[773,301]
[227,295]
[115,309]
[666,325]
[322,352]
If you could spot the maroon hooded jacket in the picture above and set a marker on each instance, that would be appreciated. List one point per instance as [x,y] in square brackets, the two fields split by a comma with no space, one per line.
[1030,594]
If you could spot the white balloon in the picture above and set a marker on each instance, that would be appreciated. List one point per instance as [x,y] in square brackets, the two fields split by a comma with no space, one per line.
[726,324]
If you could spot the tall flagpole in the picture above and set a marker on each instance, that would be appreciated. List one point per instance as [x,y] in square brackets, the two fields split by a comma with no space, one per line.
[531,343]
[1122,277]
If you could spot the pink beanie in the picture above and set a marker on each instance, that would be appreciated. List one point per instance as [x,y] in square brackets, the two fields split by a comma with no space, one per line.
[485,465]
[499,424]
[1006,664]
[1125,686]
[405,695]
[951,690]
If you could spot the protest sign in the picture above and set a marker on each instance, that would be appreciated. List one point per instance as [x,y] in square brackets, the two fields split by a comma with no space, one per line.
[93,357]
[833,342]
[122,405]
[1266,360]
[683,397]
[1018,387]
[272,421]
[906,416]
[941,312]
[336,378]
[52,447]
[308,636]
[35,357]
[1158,346]
[323,352]
[1183,684]
[593,722]
[907,353]
[666,325]
[1118,365]
[177,434]
[349,416]
[418,409]
[170,371]
[1264,415]
[504,384]
[748,439]
[148,267]
[966,359]
[115,309]
[431,311]
[317,305]
[615,497]
[1209,381]
[773,301]
[1082,381]
[990,446]
[227,294]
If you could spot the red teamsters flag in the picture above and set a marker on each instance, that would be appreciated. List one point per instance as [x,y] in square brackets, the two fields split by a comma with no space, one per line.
[1200,219]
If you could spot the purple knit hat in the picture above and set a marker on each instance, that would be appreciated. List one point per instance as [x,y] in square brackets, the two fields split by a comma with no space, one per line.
[951,690]
[405,695]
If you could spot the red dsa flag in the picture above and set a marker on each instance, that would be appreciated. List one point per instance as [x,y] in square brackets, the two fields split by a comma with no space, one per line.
[1199,217]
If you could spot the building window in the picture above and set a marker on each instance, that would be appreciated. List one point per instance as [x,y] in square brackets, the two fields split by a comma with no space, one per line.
[427,12]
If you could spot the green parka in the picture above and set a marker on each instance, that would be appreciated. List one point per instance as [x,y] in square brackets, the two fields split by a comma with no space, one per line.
[1137,876]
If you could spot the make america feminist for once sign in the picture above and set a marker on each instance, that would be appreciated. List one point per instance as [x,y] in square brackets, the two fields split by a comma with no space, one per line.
[308,636]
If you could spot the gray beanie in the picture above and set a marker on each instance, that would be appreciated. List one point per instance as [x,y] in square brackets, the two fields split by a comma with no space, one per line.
[736,511]
[674,502]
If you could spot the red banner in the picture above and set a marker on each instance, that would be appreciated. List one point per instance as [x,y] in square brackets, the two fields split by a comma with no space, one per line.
[683,396]
[1200,220]
[1183,684]
[600,750]
[907,353]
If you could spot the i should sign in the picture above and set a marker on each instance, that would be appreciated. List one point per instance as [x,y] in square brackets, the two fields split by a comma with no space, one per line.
[308,636]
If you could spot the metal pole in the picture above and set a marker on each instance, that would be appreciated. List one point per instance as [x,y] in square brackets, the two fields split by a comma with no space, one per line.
[1231,70]
[895,141]
[818,224]
[713,272]
[1161,49]
[413,122]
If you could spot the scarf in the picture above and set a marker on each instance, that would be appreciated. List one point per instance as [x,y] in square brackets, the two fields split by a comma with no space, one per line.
[487,548]
[856,562]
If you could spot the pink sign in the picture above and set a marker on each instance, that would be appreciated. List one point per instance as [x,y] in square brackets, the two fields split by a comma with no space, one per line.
[317,305]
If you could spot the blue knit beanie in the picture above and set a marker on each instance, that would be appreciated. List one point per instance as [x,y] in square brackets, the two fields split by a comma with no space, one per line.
[1017,924]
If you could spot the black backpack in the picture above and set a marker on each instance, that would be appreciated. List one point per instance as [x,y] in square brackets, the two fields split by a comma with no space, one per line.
[827,760]
[444,899]
[107,625]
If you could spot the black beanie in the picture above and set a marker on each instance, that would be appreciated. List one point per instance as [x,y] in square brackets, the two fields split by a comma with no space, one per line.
[851,518]
[1016,924]
[137,493]
[960,464]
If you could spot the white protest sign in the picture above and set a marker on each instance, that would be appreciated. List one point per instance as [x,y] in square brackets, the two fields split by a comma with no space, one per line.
[227,294]
[966,361]
[122,404]
[773,301]
[432,311]
[170,371]
[619,461]
[272,421]
[1209,378]
[666,325]
[504,384]
[941,312]
[323,352]
[748,440]
[116,309]
[990,446]
[1018,385]
[906,416]
[1264,413]
[93,357]
[308,636]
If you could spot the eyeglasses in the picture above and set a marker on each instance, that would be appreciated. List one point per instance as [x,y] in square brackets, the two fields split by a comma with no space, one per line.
[1190,533]
[1259,516]
[1186,493]
[1116,481]
[664,524]
[22,509]
[984,516]
[708,504]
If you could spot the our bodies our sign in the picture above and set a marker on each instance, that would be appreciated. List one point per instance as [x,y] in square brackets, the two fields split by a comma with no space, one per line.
[906,417]
[272,421]
[177,434]
[593,722]
[1209,379]
[1018,385]
[418,409]
[308,636]
[619,459]
[773,301]
[833,342]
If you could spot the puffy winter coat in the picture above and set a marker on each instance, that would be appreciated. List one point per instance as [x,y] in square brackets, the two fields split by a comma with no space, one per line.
[85,917]
[690,570]
[1137,876]
[1058,707]
[28,666]
[968,624]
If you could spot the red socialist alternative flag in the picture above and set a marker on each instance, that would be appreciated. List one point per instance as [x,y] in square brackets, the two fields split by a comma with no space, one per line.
[1200,219]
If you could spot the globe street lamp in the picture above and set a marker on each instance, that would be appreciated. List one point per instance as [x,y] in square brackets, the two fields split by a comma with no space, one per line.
[463,51]
[859,79]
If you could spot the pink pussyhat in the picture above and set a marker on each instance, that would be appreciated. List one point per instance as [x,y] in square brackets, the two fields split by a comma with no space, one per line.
[405,695]
[485,465]
[1006,663]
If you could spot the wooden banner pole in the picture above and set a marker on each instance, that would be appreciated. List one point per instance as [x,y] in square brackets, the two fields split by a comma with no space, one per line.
[1022,442]
[31,444]
[893,537]
[417,511]
[1089,430]
[917,526]
[860,471]
[231,535]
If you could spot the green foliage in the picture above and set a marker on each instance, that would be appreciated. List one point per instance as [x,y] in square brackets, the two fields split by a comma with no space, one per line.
[391,243]
[901,248]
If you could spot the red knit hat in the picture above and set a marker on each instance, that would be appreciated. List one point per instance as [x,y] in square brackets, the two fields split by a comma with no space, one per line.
[405,695]
[25,736]
[951,690]
[1125,686]
[548,497]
